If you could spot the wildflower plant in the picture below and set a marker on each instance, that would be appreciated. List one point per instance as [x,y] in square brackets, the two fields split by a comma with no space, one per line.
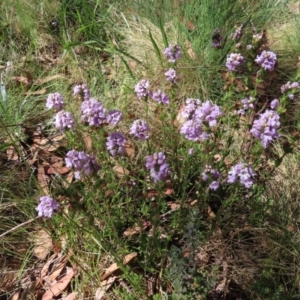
[210,149]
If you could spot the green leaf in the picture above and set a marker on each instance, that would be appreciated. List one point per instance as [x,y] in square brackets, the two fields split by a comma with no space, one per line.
[156,49]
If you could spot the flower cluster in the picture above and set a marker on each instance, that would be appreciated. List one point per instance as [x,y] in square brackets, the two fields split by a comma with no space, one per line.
[247,104]
[196,114]
[142,88]
[93,112]
[172,53]
[114,116]
[242,173]
[81,162]
[265,128]
[210,173]
[64,120]
[171,75]
[290,87]
[234,61]
[267,60]
[82,90]
[156,164]
[47,207]
[55,101]
[140,129]
[217,39]
[160,97]
[115,143]
[274,104]
[238,33]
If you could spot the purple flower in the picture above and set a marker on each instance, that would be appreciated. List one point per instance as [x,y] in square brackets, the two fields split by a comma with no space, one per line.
[217,39]
[291,96]
[238,33]
[156,164]
[161,97]
[289,86]
[47,207]
[208,113]
[64,120]
[93,112]
[274,104]
[83,91]
[55,101]
[140,129]
[190,108]
[141,88]
[193,131]
[173,52]
[242,173]
[267,60]
[210,173]
[234,61]
[191,151]
[247,104]
[81,161]
[114,116]
[265,128]
[116,143]
[171,75]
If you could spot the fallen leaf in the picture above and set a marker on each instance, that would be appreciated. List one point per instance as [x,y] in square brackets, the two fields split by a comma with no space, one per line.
[130,150]
[211,214]
[61,170]
[59,287]
[49,78]
[105,285]
[114,267]
[11,153]
[39,92]
[68,180]
[43,179]
[71,296]
[87,140]
[46,266]
[21,79]
[137,229]
[43,244]
[179,118]
[120,171]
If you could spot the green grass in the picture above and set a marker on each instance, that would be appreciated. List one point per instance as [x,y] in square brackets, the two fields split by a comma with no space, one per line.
[242,243]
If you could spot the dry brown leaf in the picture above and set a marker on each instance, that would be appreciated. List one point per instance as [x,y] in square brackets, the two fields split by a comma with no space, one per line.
[114,267]
[120,171]
[105,285]
[49,78]
[68,179]
[87,140]
[11,153]
[15,296]
[43,244]
[190,50]
[43,179]
[21,79]
[137,229]
[211,214]
[46,266]
[57,268]
[39,92]
[56,169]
[173,205]
[60,286]
[71,296]
[130,150]
[179,118]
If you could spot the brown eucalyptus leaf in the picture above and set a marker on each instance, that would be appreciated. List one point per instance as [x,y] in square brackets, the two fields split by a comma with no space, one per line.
[60,286]
[120,171]
[43,244]
[71,296]
[130,149]
[43,179]
[114,267]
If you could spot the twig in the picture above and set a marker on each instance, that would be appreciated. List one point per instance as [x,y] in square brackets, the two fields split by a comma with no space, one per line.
[16,227]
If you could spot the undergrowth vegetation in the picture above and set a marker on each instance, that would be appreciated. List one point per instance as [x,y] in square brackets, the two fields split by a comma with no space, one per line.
[149,150]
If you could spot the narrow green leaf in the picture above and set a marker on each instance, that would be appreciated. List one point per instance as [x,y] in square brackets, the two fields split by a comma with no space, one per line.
[164,36]
[128,68]
[156,49]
